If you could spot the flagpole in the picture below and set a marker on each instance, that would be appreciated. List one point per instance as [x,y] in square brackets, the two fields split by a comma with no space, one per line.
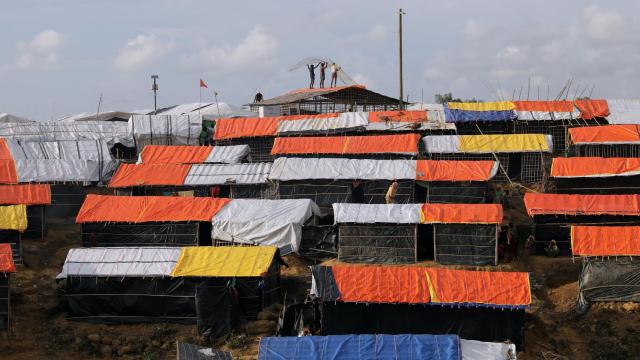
[200,104]
[215,95]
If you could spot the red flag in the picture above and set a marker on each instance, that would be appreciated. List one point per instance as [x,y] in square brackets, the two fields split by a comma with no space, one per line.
[202,84]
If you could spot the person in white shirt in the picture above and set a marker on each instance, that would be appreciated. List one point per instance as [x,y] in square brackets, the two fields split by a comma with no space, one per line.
[334,74]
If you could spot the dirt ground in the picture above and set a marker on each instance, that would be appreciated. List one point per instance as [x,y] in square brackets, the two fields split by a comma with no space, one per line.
[553,330]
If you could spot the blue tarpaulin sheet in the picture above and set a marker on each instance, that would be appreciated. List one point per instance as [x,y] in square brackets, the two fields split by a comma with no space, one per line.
[452,115]
[361,347]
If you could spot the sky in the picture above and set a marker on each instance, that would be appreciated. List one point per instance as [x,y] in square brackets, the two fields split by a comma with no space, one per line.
[59,57]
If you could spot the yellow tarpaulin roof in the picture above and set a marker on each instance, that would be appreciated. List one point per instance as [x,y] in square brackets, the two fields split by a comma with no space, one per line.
[224,261]
[503,143]
[13,217]
[482,106]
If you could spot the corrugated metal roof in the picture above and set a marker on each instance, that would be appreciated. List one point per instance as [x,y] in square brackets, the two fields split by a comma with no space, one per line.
[219,174]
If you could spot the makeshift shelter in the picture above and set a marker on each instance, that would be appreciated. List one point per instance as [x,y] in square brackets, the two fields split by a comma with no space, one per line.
[404,233]
[263,222]
[522,157]
[113,221]
[165,129]
[454,181]
[554,214]
[606,141]
[7,267]
[222,180]
[13,222]
[214,287]
[610,264]
[623,111]
[184,154]
[596,175]
[405,145]
[186,351]
[476,305]
[405,346]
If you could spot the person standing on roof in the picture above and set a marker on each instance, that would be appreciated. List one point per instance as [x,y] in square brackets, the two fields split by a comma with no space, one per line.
[258,98]
[334,74]
[204,136]
[323,67]
[312,74]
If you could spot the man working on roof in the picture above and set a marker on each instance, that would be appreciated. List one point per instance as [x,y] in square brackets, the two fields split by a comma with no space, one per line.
[312,74]
[258,98]
[323,67]
[334,74]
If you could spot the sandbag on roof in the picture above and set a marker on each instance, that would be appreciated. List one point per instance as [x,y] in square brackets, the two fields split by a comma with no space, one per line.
[224,261]
[6,259]
[28,194]
[606,134]
[13,217]
[185,154]
[149,174]
[455,170]
[591,108]
[286,169]
[377,213]
[571,204]
[575,167]
[481,144]
[605,240]
[375,144]
[545,110]
[220,174]
[120,262]
[462,213]
[624,111]
[344,347]
[264,222]
[139,209]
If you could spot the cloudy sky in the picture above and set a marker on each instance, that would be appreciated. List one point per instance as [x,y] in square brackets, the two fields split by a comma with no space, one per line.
[58,57]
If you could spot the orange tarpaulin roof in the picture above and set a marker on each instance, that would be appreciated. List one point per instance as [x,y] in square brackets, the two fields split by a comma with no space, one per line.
[28,194]
[403,144]
[572,204]
[607,134]
[8,174]
[149,174]
[605,240]
[139,209]
[544,105]
[462,213]
[592,108]
[421,285]
[398,115]
[6,259]
[455,170]
[167,154]
[232,128]
[594,167]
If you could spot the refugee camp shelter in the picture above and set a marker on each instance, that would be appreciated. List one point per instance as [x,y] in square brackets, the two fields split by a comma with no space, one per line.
[115,221]
[554,214]
[187,154]
[522,157]
[476,305]
[454,181]
[13,222]
[7,267]
[610,263]
[165,129]
[326,100]
[464,234]
[276,223]
[215,287]
[607,141]
[596,175]
[404,346]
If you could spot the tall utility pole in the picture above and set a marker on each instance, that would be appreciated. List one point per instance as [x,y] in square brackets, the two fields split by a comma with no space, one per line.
[155,88]
[400,13]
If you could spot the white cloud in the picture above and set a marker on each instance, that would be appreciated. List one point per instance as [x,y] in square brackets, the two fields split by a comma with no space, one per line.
[41,52]
[602,25]
[257,50]
[142,51]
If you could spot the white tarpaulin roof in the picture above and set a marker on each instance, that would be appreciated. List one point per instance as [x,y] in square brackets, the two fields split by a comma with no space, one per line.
[8,118]
[231,154]
[547,115]
[208,110]
[120,262]
[57,170]
[219,174]
[102,116]
[159,129]
[264,222]
[286,169]
[341,121]
[435,114]
[474,350]
[111,132]
[624,112]
[377,213]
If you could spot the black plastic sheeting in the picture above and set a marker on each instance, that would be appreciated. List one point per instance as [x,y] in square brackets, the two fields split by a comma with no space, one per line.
[318,242]
[217,308]
[35,223]
[66,201]
[4,302]
[604,185]
[14,239]
[465,244]
[144,234]
[613,279]
[188,351]
[297,317]
[377,243]
[471,323]
[474,192]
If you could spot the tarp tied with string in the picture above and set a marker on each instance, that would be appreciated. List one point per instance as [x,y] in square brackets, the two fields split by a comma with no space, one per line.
[483,144]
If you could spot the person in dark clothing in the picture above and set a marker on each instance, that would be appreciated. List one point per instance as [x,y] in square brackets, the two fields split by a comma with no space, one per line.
[357,192]
[323,67]
[258,98]
[204,136]
[312,74]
